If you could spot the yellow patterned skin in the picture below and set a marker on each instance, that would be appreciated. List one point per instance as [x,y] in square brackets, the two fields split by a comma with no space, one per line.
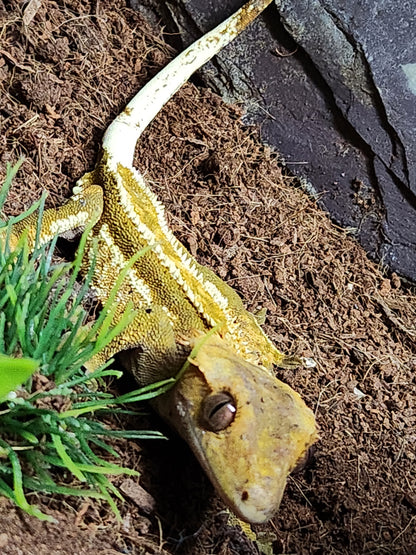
[265,427]
[167,281]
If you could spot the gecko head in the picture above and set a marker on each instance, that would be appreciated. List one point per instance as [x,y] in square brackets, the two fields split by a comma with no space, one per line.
[248,429]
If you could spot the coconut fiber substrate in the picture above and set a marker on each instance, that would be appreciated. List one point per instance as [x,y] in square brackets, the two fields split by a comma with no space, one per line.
[64,74]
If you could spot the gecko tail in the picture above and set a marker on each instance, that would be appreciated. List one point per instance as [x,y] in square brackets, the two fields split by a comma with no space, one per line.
[123,133]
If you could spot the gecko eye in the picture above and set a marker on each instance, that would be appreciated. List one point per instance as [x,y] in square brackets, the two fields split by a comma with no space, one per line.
[218,411]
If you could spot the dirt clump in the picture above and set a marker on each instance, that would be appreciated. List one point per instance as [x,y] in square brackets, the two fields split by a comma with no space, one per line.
[63,77]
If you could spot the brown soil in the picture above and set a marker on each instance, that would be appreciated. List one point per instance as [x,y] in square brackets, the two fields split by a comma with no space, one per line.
[63,76]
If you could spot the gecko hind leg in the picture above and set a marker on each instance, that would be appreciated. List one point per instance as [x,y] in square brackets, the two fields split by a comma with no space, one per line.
[82,209]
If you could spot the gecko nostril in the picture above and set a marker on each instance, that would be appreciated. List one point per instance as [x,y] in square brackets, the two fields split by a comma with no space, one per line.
[218,411]
[244,496]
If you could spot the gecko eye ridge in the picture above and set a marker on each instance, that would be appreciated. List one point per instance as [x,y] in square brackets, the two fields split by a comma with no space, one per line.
[218,411]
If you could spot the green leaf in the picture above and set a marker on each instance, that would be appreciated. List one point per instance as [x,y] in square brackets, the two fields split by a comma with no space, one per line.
[44,327]
[14,372]
[66,459]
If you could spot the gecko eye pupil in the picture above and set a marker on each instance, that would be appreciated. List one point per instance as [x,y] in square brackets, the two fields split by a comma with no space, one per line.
[218,411]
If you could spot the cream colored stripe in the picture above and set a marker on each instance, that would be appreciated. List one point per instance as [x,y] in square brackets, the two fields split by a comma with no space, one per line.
[187,261]
[72,221]
[118,262]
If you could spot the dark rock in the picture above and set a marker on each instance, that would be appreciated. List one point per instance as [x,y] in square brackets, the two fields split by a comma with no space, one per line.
[333,88]
[366,54]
